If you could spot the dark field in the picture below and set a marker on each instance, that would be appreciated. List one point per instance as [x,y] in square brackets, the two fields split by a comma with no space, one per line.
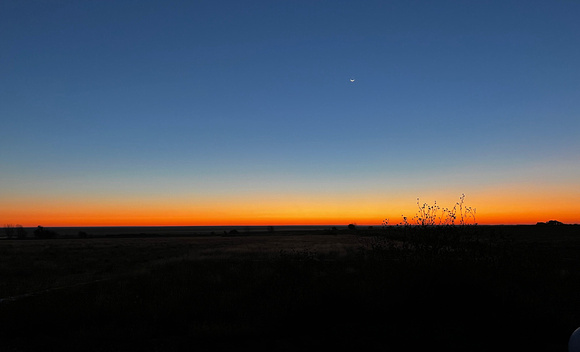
[483,288]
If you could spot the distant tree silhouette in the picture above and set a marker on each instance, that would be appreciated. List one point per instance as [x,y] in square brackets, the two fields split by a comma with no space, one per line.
[551,222]
[20,231]
[42,233]
[233,232]
[14,231]
[9,230]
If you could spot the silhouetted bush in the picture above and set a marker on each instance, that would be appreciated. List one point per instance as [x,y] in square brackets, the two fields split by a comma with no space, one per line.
[20,232]
[233,232]
[42,233]
[351,226]
[9,230]
[14,231]
[434,215]
[551,222]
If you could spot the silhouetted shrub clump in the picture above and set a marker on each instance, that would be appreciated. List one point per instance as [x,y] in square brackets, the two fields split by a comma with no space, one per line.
[42,233]
[551,222]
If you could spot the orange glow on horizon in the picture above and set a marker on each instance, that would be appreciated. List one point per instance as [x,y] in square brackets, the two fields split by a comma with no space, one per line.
[214,217]
[506,206]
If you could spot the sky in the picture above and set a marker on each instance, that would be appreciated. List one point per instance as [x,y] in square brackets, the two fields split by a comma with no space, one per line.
[226,112]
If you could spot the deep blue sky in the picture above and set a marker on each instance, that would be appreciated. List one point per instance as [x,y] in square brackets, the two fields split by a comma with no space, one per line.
[161,99]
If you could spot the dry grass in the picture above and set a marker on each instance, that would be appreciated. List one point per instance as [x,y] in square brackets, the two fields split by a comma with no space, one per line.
[36,265]
[485,289]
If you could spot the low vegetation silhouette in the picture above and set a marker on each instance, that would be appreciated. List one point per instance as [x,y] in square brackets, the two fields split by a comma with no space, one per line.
[18,232]
[431,215]
[43,233]
[14,231]
[550,222]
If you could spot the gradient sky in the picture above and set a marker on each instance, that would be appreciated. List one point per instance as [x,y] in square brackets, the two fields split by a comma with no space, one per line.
[242,112]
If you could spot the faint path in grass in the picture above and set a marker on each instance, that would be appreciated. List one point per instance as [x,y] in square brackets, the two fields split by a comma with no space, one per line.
[31,268]
[52,289]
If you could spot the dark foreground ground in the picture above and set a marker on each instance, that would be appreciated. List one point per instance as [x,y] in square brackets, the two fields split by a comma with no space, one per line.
[504,288]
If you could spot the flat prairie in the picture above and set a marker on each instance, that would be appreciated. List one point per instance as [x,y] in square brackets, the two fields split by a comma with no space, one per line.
[463,288]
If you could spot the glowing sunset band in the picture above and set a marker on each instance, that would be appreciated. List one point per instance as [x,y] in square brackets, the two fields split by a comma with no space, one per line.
[504,207]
